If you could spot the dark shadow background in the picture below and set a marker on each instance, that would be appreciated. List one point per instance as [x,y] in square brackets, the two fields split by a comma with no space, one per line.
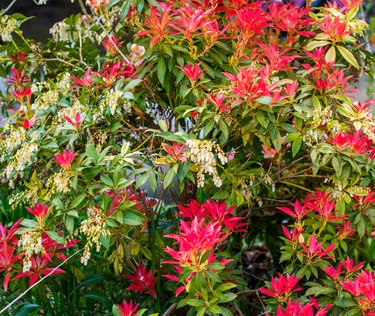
[44,15]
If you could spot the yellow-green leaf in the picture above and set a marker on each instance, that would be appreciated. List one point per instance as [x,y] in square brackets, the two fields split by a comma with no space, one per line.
[315,44]
[348,56]
[331,54]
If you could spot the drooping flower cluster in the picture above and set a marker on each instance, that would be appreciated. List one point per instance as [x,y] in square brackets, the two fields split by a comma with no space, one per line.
[201,153]
[93,228]
[7,26]
[21,159]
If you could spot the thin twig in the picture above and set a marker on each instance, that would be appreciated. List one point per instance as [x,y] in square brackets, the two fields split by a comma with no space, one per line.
[238,309]
[260,300]
[35,284]
[288,166]
[58,59]
[170,310]
[246,292]
[275,200]
[113,43]
[7,8]
[82,6]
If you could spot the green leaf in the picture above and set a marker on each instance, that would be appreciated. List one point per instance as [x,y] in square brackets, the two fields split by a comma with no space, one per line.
[184,275]
[141,180]
[132,219]
[107,180]
[315,44]
[296,146]
[319,290]
[183,169]
[226,286]
[161,69]
[98,297]
[56,237]
[348,56]
[208,127]
[275,137]
[215,309]
[116,311]
[169,177]
[228,297]
[194,302]
[288,127]
[201,311]
[90,172]
[29,223]
[361,226]
[125,10]
[212,276]
[336,165]
[105,241]
[215,266]
[153,182]
[77,201]
[351,13]
[91,153]
[28,309]
[264,100]
[173,137]
[132,84]
[163,125]
[69,224]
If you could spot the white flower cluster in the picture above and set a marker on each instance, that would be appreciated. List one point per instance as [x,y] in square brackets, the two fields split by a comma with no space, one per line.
[15,136]
[7,26]
[31,243]
[39,86]
[59,182]
[63,85]
[314,136]
[322,117]
[45,100]
[63,32]
[246,187]
[200,152]
[111,100]
[93,228]
[26,197]
[60,32]
[20,160]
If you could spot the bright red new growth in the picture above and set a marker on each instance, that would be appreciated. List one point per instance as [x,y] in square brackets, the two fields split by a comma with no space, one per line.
[282,287]
[84,82]
[111,45]
[127,309]
[37,270]
[27,124]
[176,151]
[192,72]
[142,280]
[65,159]
[77,121]
[39,210]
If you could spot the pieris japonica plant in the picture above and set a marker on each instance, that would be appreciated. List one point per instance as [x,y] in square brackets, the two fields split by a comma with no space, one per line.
[149,147]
